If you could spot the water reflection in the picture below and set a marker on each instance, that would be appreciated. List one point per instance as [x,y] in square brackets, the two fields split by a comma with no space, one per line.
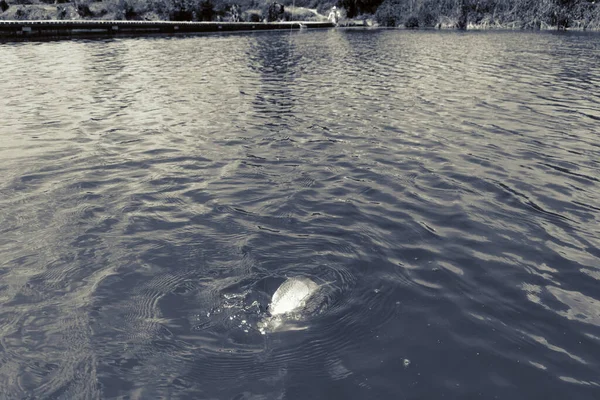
[277,61]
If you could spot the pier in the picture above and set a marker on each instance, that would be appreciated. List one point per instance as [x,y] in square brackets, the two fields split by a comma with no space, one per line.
[23,30]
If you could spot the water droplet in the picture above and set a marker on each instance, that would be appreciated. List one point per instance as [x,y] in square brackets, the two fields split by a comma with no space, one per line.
[406,362]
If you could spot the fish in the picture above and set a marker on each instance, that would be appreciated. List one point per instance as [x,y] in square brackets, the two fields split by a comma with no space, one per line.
[293,295]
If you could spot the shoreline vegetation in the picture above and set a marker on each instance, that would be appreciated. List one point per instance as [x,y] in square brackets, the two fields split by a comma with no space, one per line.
[410,14]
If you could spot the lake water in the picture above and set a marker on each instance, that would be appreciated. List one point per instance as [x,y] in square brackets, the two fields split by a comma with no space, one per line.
[155,192]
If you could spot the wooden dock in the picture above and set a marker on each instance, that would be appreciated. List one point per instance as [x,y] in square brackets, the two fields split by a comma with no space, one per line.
[47,29]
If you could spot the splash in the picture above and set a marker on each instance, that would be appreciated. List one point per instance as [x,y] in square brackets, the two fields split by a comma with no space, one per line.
[294,300]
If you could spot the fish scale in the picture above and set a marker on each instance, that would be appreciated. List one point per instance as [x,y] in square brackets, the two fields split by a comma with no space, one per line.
[292,295]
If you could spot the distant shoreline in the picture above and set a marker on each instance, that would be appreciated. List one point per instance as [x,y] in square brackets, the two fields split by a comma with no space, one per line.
[67,29]
[65,20]
[387,15]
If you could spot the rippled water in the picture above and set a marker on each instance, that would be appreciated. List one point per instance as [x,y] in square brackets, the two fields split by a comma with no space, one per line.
[156,191]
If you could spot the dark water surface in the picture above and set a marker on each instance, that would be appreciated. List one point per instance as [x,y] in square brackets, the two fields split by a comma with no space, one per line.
[156,191]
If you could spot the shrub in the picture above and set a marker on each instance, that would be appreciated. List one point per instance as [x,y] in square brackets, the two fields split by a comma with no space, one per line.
[206,10]
[83,9]
[125,9]
[273,11]
[130,12]
[61,12]
[357,7]
[529,14]
[24,3]
[300,15]
[388,13]
[158,8]
[412,23]
[181,15]
[427,18]
[179,10]
[252,16]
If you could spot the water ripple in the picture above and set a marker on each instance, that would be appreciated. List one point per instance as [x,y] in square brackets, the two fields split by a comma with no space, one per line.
[157,191]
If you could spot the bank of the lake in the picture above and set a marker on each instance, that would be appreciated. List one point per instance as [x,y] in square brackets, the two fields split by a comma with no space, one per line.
[442,14]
